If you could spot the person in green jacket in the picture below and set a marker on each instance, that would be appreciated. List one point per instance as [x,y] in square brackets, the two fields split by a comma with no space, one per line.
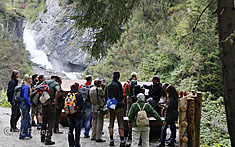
[142,132]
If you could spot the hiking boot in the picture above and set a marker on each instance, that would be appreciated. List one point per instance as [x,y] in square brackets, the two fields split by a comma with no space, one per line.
[49,142]
[14,130]
[100,140]
[122,144]
[111,143]
[34,124]
[93,139]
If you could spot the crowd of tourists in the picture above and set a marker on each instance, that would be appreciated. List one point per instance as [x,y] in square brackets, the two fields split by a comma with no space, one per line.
[39,100]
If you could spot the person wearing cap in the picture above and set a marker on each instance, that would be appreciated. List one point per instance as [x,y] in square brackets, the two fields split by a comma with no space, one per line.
[115,91]
[86,112]
[75,119]
[155,93]
[97,97]
[141,132]
[49,110]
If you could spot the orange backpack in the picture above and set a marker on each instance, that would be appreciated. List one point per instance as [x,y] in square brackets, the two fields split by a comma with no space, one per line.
[70,104]
[126,89]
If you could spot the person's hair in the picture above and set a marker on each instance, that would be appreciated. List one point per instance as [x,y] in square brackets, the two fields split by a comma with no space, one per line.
[57,78]
[13,74]
[75,86]
[34,76]
[40,77]
[172,93]
[88,78]
[97,82]
[156,77]
[116,75]
[134,74]
[26,79]
[165,85]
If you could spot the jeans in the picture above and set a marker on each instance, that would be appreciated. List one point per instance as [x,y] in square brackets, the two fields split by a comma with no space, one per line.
[173,132]
[25,128]
[142,132]
[15,114]
[87,112]
[74,124]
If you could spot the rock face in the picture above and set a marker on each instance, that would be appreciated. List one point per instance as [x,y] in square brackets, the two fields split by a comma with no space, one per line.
[57,36]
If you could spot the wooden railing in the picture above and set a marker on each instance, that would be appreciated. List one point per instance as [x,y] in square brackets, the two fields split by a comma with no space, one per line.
[190,104]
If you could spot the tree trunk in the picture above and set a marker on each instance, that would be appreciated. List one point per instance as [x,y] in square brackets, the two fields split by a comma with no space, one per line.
[226,27]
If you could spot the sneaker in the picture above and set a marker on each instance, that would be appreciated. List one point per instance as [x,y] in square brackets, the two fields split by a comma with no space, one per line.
[111,143]
[87,136]
[161,145]
[34,124]
[100,140]
[49,142]
[39,126]
[29,137]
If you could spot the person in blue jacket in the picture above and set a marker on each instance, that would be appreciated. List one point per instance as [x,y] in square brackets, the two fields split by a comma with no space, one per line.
[25,128]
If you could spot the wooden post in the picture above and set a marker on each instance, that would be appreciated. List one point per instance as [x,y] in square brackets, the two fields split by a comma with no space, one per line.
[183,124]
[191,122]
[198,109]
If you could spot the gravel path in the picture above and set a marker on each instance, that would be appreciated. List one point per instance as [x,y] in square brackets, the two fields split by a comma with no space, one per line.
[9,139]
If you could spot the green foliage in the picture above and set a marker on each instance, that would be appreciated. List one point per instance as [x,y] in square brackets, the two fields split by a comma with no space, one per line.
[213,122]
[3,100]
[13,56]
[105,19]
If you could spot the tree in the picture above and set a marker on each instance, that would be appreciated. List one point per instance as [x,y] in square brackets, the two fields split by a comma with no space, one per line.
[226,27]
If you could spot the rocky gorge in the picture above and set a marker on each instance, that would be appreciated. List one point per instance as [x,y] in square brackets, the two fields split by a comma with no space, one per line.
[56,36]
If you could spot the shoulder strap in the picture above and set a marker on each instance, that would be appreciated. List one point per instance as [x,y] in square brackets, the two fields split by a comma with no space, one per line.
[138,106]
[144,106]
[97,95]
[107,91]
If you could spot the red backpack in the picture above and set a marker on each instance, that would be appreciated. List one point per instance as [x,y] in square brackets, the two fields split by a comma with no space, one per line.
[126,89]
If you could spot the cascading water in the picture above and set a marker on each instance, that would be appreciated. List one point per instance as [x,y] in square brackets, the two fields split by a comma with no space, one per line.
[39,57]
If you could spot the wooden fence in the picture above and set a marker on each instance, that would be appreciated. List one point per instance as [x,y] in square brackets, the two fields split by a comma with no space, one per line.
[190,104]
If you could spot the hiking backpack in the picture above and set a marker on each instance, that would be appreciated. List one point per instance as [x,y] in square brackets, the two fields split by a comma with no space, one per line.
[44,93]
[126,89]
[84,90]
[142,118]
[17,94]
[70,104]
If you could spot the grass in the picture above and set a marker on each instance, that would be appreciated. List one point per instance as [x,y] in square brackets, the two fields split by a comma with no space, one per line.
[3,100]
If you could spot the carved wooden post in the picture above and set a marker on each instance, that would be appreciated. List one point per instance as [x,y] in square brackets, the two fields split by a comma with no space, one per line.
[198,109]
[191,122]
[183,122]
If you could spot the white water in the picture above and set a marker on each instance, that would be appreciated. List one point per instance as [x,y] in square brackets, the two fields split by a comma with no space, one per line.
[40,57]
[37,56]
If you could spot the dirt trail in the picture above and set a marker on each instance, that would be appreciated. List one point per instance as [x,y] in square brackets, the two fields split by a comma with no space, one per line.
[9,139]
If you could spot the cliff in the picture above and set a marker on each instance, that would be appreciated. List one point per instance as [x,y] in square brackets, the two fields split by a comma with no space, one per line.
[59,39]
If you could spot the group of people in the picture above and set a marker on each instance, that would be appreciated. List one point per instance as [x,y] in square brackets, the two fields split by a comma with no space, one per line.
[91,102]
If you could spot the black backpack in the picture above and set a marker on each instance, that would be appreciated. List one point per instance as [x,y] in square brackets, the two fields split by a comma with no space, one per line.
[17,94]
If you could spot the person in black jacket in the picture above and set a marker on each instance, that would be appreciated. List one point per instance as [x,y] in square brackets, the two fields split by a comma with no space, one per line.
[155,93]
[15,110]
[115,91]
[75,119]
[171,116]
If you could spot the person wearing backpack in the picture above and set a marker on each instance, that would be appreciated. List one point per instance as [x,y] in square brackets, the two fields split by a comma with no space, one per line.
[114,91]
[138,119]
[15,110]
[34,107]
[171,116]
[49,109]
[97,96]
[132,84]
[87,109]
[74,118]
[25,128]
